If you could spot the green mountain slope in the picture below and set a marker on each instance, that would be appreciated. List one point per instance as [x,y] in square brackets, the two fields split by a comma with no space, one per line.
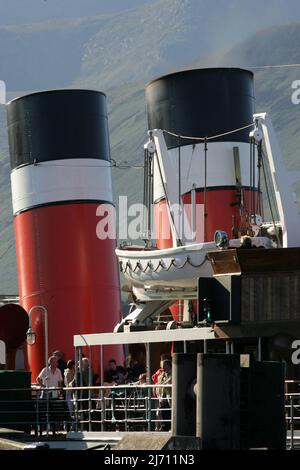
[8,277]
[273,90]
[117,48]
[273,85]
[30,11]
[127,122]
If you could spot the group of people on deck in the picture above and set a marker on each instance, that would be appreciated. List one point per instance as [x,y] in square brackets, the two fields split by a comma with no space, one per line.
[136,373]
[61,374]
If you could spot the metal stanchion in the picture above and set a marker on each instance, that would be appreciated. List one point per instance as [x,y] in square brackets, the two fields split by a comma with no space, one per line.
[76,391]
[149,409]
[125,411]
[259,349]
[102,400]
[292,421]
[90,392]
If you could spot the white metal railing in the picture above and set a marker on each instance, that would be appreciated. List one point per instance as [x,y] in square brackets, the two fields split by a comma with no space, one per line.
[108,408]
[124,407]
[292,414]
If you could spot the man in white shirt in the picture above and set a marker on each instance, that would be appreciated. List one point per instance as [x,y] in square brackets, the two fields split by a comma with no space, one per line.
[51,377]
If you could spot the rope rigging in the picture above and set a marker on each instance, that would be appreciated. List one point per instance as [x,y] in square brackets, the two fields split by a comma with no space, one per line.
[203,139]
[161,264]
[109,164]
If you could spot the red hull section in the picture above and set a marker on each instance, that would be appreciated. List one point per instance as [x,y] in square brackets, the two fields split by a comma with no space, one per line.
[65,267]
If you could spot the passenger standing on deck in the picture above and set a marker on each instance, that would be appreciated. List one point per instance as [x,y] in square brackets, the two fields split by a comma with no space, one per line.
[114,375]
[134,369]
[164,396]
[61,365]
[54,376]
[160,370]
[69,379]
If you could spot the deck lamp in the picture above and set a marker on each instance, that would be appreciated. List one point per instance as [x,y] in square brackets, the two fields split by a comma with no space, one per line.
[30,336]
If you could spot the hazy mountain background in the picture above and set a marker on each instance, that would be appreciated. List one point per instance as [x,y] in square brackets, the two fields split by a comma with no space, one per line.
[31,11]
[118,45]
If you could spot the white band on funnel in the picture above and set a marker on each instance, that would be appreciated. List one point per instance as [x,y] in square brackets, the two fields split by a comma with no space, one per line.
[59,181]
[219,167]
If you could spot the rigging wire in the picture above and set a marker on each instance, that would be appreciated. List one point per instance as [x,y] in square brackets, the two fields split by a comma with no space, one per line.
[203,139]
[190,163]
[6,250]
[124,166]
[275,66]
[111,164]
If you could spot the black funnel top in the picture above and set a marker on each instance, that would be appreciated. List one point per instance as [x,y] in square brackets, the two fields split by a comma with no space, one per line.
[56,125]
[202,103]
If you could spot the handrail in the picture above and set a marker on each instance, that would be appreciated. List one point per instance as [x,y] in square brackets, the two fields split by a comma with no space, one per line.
[129,407]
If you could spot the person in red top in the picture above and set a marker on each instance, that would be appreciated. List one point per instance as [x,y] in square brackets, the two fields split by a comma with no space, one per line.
[164,397]
[160,370]
[155,379]
[156,374]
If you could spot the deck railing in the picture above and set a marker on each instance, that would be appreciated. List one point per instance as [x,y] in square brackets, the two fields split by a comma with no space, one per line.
[109,408]
[292,413]
[126,407]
